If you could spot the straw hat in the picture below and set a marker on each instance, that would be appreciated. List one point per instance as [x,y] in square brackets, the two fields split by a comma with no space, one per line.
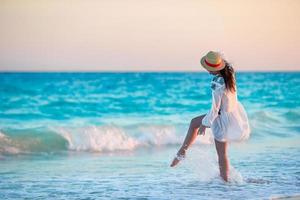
[212,61]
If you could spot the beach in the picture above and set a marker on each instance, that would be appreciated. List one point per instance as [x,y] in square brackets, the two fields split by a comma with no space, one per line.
[113,135]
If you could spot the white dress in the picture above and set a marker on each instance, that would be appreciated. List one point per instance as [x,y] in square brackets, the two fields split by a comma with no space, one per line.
[227,117]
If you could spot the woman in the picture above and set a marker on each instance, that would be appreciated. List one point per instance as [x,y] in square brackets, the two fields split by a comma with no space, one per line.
[226,118]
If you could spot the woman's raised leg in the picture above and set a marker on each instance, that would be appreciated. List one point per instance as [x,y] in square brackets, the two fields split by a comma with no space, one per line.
[221,148]
[189,138]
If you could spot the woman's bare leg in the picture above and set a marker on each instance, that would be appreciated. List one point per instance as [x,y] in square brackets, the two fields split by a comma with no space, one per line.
[192,132]
[223,160]
[190,137]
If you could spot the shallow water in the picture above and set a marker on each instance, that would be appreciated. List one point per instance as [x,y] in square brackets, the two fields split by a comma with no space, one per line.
[113,136]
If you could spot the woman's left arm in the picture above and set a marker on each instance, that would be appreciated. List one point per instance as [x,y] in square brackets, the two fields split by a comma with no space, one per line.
[217,94]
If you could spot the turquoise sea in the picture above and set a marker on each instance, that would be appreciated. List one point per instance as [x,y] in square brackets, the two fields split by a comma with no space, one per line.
[113,136]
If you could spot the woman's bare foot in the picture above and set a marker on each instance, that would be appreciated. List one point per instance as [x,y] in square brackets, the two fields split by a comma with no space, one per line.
[180,156]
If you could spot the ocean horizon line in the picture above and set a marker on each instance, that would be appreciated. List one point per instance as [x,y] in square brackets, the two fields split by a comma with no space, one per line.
[141,71]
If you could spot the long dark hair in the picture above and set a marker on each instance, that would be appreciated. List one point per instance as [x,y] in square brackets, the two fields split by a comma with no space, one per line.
[229,77]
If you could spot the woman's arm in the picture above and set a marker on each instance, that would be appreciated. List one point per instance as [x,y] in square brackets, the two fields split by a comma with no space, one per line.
[217,94]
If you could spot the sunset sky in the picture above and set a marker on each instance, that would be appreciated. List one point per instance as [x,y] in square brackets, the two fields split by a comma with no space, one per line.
[148,35]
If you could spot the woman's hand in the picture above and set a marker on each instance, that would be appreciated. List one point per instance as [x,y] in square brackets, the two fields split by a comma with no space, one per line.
[201,130]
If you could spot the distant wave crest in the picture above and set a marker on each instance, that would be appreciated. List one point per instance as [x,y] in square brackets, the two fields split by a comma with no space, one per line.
[106,138]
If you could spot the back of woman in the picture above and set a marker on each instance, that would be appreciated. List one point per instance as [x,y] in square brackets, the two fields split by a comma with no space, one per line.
[232,123]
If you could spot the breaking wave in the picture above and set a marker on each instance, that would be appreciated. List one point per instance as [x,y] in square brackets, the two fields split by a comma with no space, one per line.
[106,138]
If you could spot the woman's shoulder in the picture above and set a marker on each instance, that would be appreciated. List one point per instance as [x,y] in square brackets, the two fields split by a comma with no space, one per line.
[217,82]
[218,79]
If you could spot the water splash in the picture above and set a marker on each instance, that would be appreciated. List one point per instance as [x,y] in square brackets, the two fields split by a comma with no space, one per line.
[202,161]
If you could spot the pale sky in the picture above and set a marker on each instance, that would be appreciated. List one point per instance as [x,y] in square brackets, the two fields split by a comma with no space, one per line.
[148,35]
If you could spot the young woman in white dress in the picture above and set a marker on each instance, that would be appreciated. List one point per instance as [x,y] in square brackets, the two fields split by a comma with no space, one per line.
[226,118]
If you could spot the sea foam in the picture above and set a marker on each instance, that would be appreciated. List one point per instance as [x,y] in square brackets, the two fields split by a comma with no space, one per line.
[104,138]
